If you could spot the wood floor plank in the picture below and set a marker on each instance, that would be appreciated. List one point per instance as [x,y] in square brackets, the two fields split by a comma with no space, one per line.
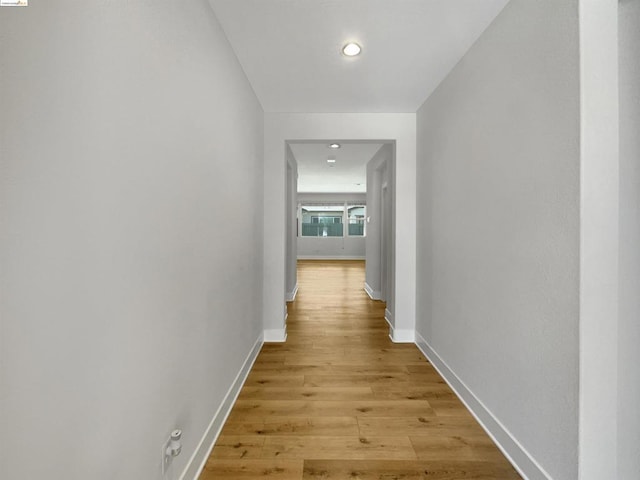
[238,446]
[332,447]
[252,469]
[368,369]
[399,380]
[289,425]
[340,400]
[469,447]
[260,378]
[430,391]
[417,426]
[330,408]
[400,358]
[307,393]
[406,470]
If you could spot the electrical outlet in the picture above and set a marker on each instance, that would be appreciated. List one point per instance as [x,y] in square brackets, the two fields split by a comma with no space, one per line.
[170,449]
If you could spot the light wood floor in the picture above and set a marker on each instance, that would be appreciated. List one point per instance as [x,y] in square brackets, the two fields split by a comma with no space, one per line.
[339,400]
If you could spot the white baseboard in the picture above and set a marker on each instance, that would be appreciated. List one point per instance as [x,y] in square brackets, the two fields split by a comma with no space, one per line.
[331,257]
[291,296]
[276,335]
[522,461]
[388,316]
[398,335]
[373,295]
[401,336]
[199,458]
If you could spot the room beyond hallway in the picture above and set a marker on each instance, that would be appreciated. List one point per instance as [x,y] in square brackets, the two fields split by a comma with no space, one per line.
[339,400]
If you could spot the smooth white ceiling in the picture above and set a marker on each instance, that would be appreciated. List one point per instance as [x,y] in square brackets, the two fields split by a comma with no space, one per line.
[290,49]
[349,173]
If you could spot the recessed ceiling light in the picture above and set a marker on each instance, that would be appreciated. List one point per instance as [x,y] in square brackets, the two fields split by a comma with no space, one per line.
[331,160]
[334,145]
[351,49]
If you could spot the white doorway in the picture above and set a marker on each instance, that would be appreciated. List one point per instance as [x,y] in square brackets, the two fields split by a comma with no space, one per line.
[323,181]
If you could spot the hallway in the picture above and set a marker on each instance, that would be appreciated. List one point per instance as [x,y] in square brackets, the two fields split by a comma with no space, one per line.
[339,400]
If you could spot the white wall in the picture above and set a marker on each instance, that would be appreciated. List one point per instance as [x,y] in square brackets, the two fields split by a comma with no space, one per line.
[129,298]
[498,232]
[280,127]
[629,326]
[331,247]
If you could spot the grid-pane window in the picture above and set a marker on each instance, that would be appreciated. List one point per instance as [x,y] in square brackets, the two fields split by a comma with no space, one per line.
[322,220]
[333,219]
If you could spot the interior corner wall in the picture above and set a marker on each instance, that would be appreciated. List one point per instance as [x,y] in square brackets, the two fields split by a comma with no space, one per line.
[378,173]
[498,215]
[629,326]
[281,127]
[291,213]
[131,245]
[599,239]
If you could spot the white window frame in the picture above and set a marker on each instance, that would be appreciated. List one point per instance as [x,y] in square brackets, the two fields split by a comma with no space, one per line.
[345,217]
